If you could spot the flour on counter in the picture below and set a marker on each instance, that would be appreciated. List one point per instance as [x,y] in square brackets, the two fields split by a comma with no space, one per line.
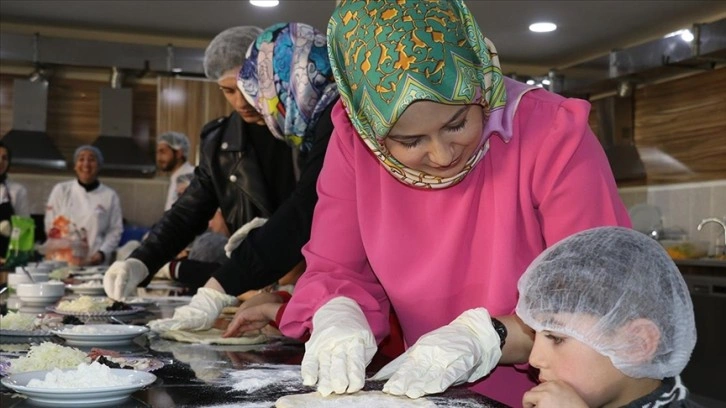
[259,376]
[360,399]
[443,402]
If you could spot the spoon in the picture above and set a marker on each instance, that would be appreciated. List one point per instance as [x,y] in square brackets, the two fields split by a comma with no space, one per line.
[28,274]
[116,320]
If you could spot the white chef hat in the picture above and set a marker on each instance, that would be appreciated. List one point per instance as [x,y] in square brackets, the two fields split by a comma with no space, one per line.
[599,285]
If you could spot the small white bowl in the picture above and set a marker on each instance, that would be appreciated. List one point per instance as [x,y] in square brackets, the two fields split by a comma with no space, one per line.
[14,279]
[40,293]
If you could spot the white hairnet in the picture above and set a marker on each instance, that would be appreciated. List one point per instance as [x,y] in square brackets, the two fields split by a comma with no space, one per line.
[175,140]
[596,282]
[96,152]
[227,50]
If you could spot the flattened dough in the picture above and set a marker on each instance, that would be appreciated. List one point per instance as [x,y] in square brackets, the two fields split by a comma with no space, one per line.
[361,399]
[211,336]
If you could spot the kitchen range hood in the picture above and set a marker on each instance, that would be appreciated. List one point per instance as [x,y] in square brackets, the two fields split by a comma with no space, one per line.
[609,82]
[651,61]
[120,151]
[616,130]
[27,140]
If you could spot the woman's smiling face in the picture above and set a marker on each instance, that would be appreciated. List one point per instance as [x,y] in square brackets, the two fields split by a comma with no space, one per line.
[436,138]
[86,167]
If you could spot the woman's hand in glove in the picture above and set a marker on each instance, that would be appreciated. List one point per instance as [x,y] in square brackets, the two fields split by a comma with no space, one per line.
[464,350]
[340,347]
[199,314]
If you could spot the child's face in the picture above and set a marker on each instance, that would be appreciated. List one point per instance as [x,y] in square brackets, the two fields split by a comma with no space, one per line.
[590,374]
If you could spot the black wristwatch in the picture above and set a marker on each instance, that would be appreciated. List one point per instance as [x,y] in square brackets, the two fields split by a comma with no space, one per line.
[501,330]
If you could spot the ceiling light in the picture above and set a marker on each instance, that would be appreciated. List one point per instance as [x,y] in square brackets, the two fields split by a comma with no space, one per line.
[543,27]
[530,82]
[686,35]
[265,3]
[546,82]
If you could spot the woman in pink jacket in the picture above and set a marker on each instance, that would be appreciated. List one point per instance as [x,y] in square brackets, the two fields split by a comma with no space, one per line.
[442,181]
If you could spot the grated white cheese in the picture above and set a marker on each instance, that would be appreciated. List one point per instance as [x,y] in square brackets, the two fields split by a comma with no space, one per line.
[84,376]
[47,356]
[84,304]
[17,321]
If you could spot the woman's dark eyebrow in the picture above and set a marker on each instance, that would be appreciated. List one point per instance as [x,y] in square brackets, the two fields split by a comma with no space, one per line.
[458,114]
[453,118]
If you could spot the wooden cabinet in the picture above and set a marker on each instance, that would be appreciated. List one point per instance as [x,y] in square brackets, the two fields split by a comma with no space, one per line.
[186,105]
[679,128]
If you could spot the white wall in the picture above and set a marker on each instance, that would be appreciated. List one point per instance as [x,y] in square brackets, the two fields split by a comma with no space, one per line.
[142,200]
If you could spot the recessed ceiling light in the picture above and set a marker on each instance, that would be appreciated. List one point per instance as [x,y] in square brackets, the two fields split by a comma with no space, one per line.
[543,27]
[265,3]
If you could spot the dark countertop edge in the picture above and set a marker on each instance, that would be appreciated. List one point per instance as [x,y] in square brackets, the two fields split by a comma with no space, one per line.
[713,263]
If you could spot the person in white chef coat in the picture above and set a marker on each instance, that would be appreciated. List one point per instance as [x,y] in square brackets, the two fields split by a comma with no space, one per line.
[89,205]
[13,199]
[172,152]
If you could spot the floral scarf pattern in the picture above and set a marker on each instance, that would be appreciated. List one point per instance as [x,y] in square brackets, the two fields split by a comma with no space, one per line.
[287,77]
[385,55]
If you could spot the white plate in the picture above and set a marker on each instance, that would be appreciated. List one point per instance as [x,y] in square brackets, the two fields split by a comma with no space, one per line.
[87,278]
[139,301]
[25,333]
[77,397]
[110,335]
[90,270]
[134,309]
[87,290]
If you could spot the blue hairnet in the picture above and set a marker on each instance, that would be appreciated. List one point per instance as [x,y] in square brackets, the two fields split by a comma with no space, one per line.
[96,152]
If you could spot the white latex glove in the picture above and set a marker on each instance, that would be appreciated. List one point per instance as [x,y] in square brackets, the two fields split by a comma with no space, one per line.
[199,314]
[340,347]
[464,350]
[164,272]
[240,235]
[122,278]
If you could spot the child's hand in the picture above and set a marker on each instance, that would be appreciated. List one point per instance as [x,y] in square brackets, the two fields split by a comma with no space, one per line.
[552,394]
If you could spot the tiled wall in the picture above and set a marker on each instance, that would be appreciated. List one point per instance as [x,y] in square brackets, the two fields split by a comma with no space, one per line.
[685,205]
[682,205]
[142,200]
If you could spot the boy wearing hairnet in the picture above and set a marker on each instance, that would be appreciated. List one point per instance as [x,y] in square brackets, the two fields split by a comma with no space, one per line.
[172,153]
[613,319]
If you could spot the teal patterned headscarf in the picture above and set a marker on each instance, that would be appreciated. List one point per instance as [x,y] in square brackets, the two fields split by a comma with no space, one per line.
[287,77]
[388,54]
